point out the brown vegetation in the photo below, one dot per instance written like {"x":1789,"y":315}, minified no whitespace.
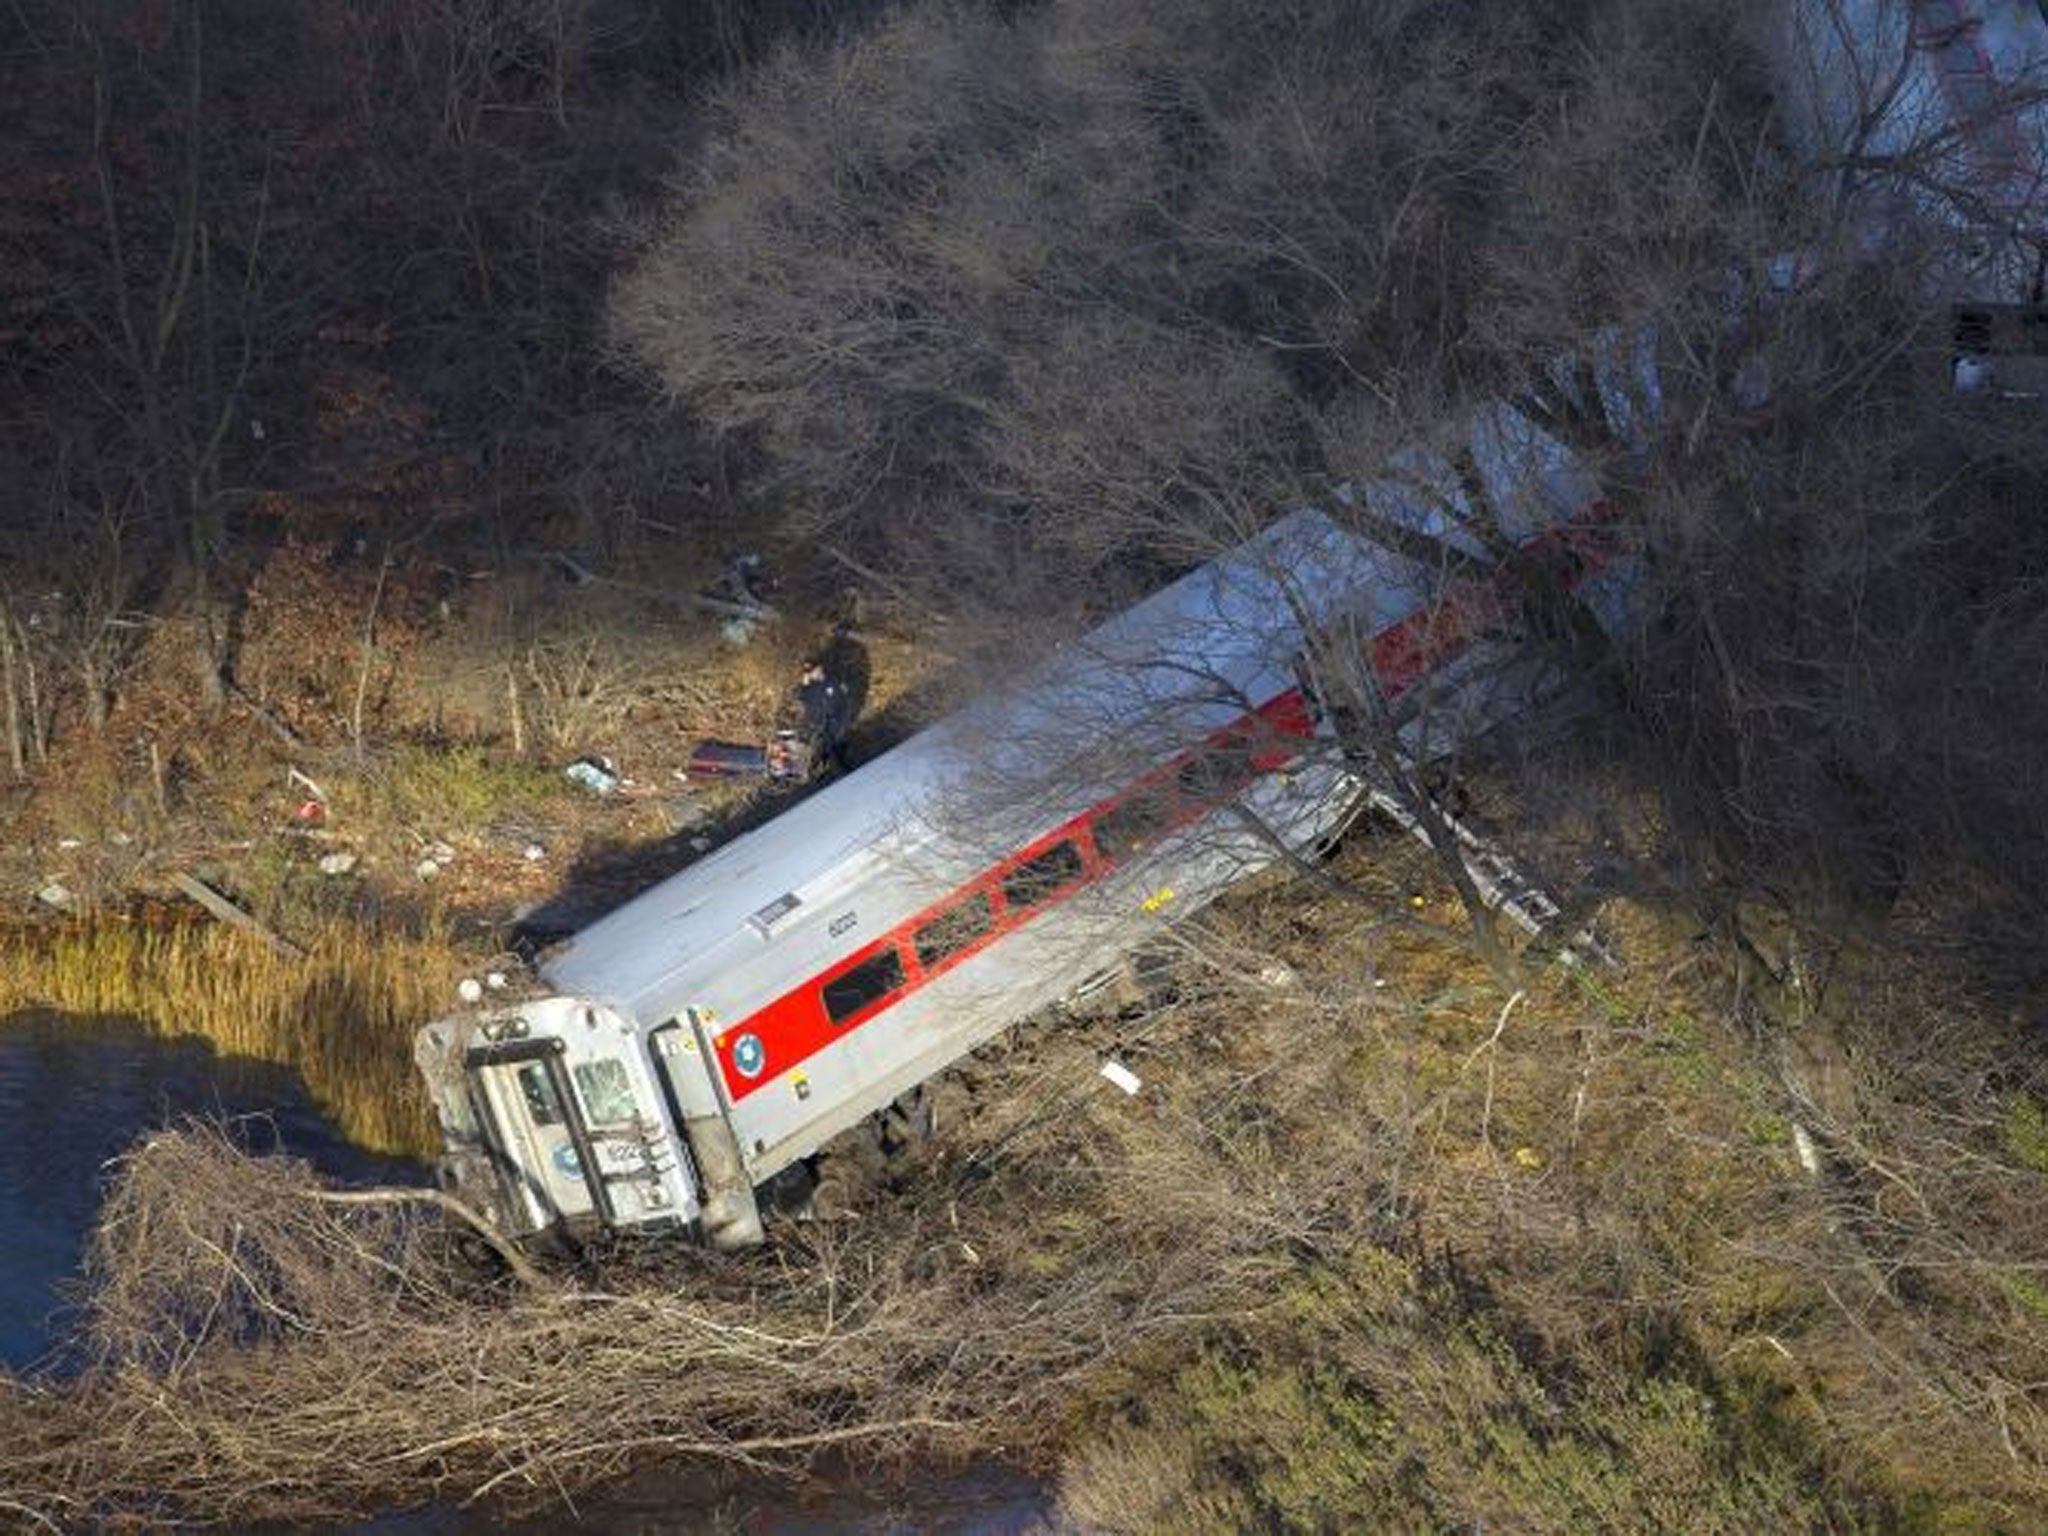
{"x":1371,"y":1249}
{"x":342,"y":1016}
{"x":1003,"y":313}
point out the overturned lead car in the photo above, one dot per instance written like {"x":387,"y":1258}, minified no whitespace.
{"x":727,"y":1023}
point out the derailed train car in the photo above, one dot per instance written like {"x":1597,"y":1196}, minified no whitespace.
{"x":692,"y":1045}
{"x":727,"y":1023}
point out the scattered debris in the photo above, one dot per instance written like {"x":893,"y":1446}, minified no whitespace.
{"x":57,"y":894}
{"x":440,"y":852}
{"x":470,"y":990}
{"x":788,"y":756}
{"x":741,"y":595}
{"x":1802,"y":1144}
{"x":726,"y":760}
{"x":743,"y":587}
{"x":1278,"y":975}
{"x":684,"y":813}
{"x":310,"y":812}
{"x":534,"y":853}
{"x":595,"y":774}
{"x":66,"y":844}
{"x":1122,"y":1076}
{"x":574,"y":571}
{"x":427,"y":869}
{"x":746,"y":579}
{"x":337,"y":863}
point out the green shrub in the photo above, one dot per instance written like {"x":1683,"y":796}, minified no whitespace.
{"x":459,"y":789}
{"x":2026,"y":1132}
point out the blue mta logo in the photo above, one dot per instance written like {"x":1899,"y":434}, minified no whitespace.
{"x":749,"y":1055}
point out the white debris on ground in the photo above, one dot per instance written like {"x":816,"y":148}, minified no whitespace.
{"x":1122,"y":1076}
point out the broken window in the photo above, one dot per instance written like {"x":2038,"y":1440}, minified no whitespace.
{"x":606,"y":1091}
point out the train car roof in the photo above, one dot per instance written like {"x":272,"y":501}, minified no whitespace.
{"x":1951,"y":88}
{"x":937,"y":809}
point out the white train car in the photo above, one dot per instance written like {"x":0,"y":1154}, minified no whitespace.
{"x":727,"y":1023}
{"x":1940,"y":107}
{"x":1931,"y":116}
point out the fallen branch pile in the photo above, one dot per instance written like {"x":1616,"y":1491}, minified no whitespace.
{"x":253,"y":1348}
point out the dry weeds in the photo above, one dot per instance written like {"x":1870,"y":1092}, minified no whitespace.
{"x":343,"y":1017}
{"x":1557,"y":1261}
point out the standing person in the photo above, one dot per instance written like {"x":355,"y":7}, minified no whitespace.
{"x":823,"y":703}
{"x":846,"y":663}
{"x":830,"y":694}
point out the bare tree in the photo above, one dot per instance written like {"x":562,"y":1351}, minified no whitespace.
{"x":180,"y":319}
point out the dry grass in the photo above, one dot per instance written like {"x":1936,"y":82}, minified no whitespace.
{"x":1368,"y":1251}
{"x":1063,"y":1246}
{"x":342,"y":1017}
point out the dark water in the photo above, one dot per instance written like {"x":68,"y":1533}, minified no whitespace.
{"x":77,"y":1092}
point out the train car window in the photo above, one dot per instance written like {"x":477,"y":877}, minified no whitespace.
{"x":954,"y":929}
{"x":606,"y":1091}
{"x":1041,"y":875}
{"x":1131,"y":823}
{"x":539,"y":1094}
{"x":849,"y":992}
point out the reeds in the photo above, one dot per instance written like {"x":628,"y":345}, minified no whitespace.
{"x":342,"y":1017}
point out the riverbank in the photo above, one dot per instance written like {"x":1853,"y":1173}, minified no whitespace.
{"x":75,"y":1094}
{"x":341,"y":1015}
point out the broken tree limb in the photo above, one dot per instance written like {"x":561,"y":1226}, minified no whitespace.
{"x":710,"y":602}
{"x":235,"y":916}
{"x":266,"y":715}
{"x":519,"y":1264}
